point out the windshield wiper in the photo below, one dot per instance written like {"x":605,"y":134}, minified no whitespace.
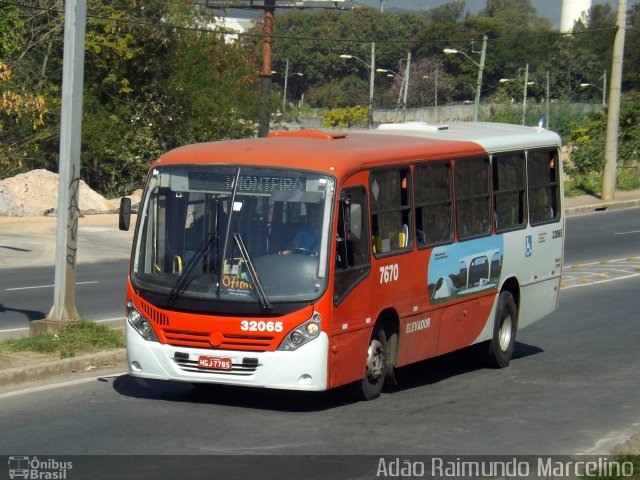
{"x":185,"y":277}
{"x":262,"y":296}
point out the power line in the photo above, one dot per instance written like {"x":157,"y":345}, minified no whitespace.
{"x":166,"y":26}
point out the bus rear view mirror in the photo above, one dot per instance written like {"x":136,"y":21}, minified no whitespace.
{"x":125,"y":214}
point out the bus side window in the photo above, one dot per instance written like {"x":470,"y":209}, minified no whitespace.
{"x":543,"y":185}
{"x":352,"y":241}
{"x":509,"y":191}
{"x":473,"y":201}
{"x":434,"y":207}
{"x":390,"y":210}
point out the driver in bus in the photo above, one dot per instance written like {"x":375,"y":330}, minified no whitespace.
{"x":307,"y":238}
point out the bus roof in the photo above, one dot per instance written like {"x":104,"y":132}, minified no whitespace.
{"x":342,"y":153}
{"x":493,"y":137}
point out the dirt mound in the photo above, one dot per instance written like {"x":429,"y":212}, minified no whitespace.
{"x":35,"y":193}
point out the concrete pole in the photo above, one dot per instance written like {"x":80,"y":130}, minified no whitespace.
{"x":604,"y":90}
{"x":613,"y":115}
{"x":64,"y":310}
{"x":435,"y":95}
{"x":476,"y":105}
{"x":548,"y":94}
{"x":286,"y":79}
{"x":406,"y":87}
{"x":372,"y":76}
{"x":524,"y":95}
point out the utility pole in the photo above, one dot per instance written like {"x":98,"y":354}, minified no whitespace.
{"x":406,"y":87}
{"x":548,"y":94}
{"x":435,"y":95}
{"x":269,"y":17}
{"x":524,"y":95}
{"x":372,"y":78}
{"x":483,"y":54}
{"x":64,"y":310}
{"x":286,"y":80}
{"x":604,"y":89}
{"x":613,"y":115}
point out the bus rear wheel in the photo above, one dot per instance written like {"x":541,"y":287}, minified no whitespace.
{"x":498,"y":351}
{"x":371,"y":385}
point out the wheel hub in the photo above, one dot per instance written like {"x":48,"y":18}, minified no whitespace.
{"x":375,"y":360}
{"x":504,"y":336}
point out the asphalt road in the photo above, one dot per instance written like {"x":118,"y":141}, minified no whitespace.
{"x":602,"y":236}
{"x":571,"y":384}
{"x":571,"y":388}
{"x":26,"y":294}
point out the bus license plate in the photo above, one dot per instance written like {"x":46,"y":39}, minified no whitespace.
{"x":215,"y":363}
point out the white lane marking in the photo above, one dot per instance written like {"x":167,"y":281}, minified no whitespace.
{"x":596,"y":282}
{"x":601,"y":262}
{"x":70,"y":383}
{"x":46,"y":286}
{"x":627,"y":233}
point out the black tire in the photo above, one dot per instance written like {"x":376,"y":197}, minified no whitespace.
{"x":370,"y":386}
{"x":498,"y":351}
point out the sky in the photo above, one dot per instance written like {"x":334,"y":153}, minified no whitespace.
{"x":545,"y":8}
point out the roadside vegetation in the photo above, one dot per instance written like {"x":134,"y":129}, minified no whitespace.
{"x":82,"y":337}
{"x":161,"y":74}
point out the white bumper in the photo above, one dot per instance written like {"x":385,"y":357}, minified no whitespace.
{"x":302,"y":369}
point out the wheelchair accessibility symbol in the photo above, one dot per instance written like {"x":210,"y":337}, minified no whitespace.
{"x":528,"y":249}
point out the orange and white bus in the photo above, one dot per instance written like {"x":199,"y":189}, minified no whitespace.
{"x":310,"y":260}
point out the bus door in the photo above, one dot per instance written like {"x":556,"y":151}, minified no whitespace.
{"x":352,"y":317}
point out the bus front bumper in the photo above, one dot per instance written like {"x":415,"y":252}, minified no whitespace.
{"x":302,"y":369}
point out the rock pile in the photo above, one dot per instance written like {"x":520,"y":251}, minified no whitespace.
{"x":35,"y":193}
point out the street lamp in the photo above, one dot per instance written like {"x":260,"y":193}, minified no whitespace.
{"x":603,"y":89}
{"x":526,"y":84}
{"x":453,"y":51}
{"x":372,"y":69}
{"x":404,"y":87}
{"x":286,"y":80}
{"x":391,"y":73}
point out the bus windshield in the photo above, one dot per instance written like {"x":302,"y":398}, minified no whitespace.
{"x":225,"y":233}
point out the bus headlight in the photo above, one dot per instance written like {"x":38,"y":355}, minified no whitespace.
{"x":140,"y":324}
{"x":302,"y":334}
{"x":312,"y":329}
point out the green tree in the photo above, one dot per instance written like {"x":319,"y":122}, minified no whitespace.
{"x":513,"y":12}
{"x":155,"y":77}
{"x":314,"y":41}
{"x":10,"y":28}
{"x":451,"y":13}
{"x":422,"y":84}
{"x":587,"y":138}
{"x":21,"y":117}
{"x":156,"y":86}
{"x":631,"y":71}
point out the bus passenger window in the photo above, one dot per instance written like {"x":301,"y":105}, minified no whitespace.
{"x":390,"y":210}
{"x":473,"y":206}
{"x":509,"y":191}
{"x":434,"y":208}
{"x":543,"y":187}
{"x":352,"y":241}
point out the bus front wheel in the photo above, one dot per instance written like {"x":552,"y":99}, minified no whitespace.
{"x":501,"y":346}
{"x":371,"y":385}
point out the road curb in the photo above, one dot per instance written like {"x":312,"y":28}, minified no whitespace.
{"x":603,"y":206}
{"x":53,"y":368}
